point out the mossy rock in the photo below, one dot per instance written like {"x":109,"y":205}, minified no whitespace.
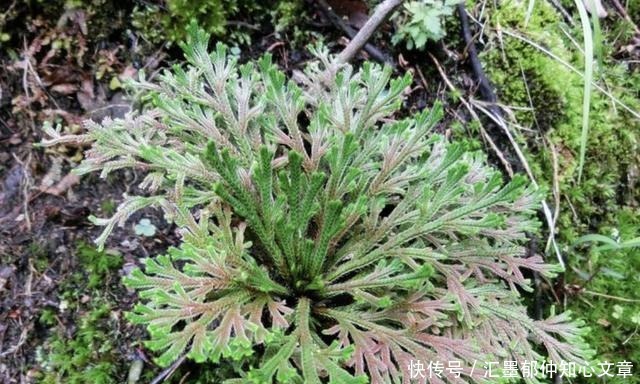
{"x":546,"y":97}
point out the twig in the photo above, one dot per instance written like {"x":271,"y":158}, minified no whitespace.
{"x":494,"y":113}
{"x":238,"y":23}
{"x":167,"y":372}
{"x":380,"y":14}
{"x":624,"y":299}
{"x":63,"y":185}
{"x":486,"y":90}
{"x":336,"y":20}
{"x":472,"y":112}
{"x":623,"y":12}
{"x":565,"y":14}
{"x":556,"y":185}
{"x":26,"y":185}
{"x":630,"y":336}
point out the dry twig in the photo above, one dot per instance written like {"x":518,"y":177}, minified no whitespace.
{"x":380,"y":14}
{"x":336,"y":20}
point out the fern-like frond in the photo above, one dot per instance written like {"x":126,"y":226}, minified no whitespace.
{"x":323,"y":240}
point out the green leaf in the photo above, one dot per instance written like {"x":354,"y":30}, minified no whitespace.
{"x":145,"y":228}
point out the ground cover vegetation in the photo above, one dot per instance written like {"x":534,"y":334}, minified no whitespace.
{"x":346,"y":226}
{"x":389,"y":254}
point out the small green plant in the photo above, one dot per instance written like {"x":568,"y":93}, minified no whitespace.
{"x":108,"y":206}
{"x":145,"y":228}
{"x":422,"y":21}
{"x":235,"y":20}
{"x":607,"y":243}
{"x":97,"y":263}
{"x":86,"y":357}
{"x":604,"y":280}
{"x":322,"y":240}
{"x":85,"y":353}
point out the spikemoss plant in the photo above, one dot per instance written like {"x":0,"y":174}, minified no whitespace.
{"x":323,"y":240}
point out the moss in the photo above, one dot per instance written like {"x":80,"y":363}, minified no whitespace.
{"x":108,"y":207}
{"x":616,"y":274}
{"x":546,"y":98}
{"x":38,"y":255}
{"x":84,"y":328}
{"x":89,"y":355}
{"x":524,"y":76}
{"x":527,"y":77}
{"x":88,"y":337}
{"x":164,"y":22}
{"x":97,"y":264}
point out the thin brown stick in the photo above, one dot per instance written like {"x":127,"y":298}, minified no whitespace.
{"x":491,"y":109}
{"x":484,"y":85}
{"x":623,"y":12}
{"x":167,"y":372}
{"x":380,"y":14}
{"x":336,"y":20}
{"x":624,"y":299}
{"x":63,"y":185}
{"x":473,"y":114}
